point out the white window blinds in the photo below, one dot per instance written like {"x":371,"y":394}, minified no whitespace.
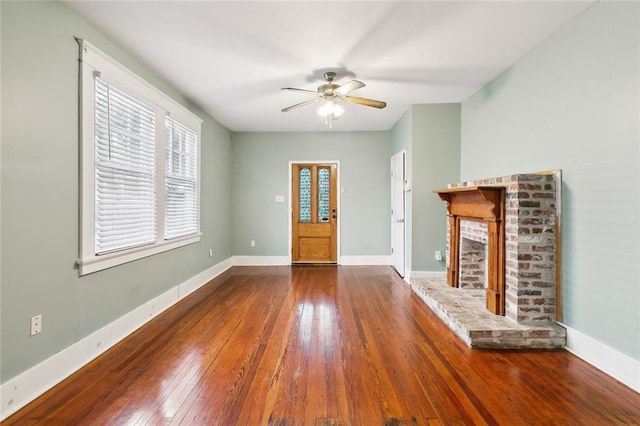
{"x":125,"y":210}
{"x":181,"y":180}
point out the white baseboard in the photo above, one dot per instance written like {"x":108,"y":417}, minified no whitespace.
{"x":285,"y":260}
{"x":614,"y":363}
{"x":194,"y":283}
{"x":365,"y":260}
{"x":428,"y":274}
{"x":24,"y":388}
{"x":260,"y":260}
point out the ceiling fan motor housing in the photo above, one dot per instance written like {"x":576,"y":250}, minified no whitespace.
{"x":327,"y":89}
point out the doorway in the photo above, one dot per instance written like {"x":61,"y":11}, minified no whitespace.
{"x":314,"y":212}
{"x":398,"y":225}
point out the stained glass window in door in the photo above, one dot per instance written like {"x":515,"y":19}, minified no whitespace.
{"x":305,"y":195}
{"x":323,"y":195}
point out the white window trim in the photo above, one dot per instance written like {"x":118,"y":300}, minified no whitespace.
{"x":94,"y":60}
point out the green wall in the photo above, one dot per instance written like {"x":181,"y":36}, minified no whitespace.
{"x":40,"y":194}
{"x":430,"y":134}
{"x":435,"y":163}
{"x":572,"y":104}
{"x":402,"y":133}
{"x":261,"y":171}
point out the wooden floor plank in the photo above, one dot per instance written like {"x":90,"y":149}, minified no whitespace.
{"x":322,"y":345}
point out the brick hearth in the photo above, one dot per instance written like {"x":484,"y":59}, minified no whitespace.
{"x":464,"y":312}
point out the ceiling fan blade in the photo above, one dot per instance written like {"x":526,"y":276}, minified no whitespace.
{"x":366,"y":102}
{"x":293,"y":89}
{"x":348,"y":87}
{"x":301,"y":104}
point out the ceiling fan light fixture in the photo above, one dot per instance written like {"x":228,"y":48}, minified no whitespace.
{"x":331,"y":109}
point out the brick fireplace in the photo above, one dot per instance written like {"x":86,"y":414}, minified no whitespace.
{"x":505,"y":243}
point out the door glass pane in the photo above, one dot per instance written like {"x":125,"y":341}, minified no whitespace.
{"x":305,"y":195}
{"x":323,"y":195}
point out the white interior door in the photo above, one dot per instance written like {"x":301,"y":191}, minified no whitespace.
{"x":397,"y":213}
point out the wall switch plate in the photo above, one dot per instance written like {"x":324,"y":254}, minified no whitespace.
{"x":279,"y":198}
{"x":210,"y":252}
{"x":36,"y":325}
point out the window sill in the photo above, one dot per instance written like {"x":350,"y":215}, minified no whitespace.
{"x":98,"y":263}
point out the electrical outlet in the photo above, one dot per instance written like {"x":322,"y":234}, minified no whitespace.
{"x":438,"y":255}
{"x":210,"y":252}
{"x":36,"y":324}
{"x":253,"y":243}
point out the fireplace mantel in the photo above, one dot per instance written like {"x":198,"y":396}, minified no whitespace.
{"x":480,"y":202}
{"x":485,"y":204}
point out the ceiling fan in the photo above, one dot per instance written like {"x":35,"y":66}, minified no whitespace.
{"x":331,"y":93}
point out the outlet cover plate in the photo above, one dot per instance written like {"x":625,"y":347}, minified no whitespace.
{"x":36,"y":325}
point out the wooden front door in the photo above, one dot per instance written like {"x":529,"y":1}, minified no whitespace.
{"x":314,"y":213}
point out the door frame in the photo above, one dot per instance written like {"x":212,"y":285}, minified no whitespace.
{"x":404,"y":190}
{"x":290,"y":209}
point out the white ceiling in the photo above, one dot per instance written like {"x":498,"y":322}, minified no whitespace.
{"x":232,"y":58}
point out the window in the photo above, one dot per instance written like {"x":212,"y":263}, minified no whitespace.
{"x":139,"y":167}
{"x":305,"y":194}
{"x":181,"y":183}
{"x":125,"y":212}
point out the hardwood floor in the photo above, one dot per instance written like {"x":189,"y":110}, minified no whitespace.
{"x":322,"y":345}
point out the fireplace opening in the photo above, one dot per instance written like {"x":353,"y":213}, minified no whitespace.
{"x":472,"y":264}
{"x":473,"y":255}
